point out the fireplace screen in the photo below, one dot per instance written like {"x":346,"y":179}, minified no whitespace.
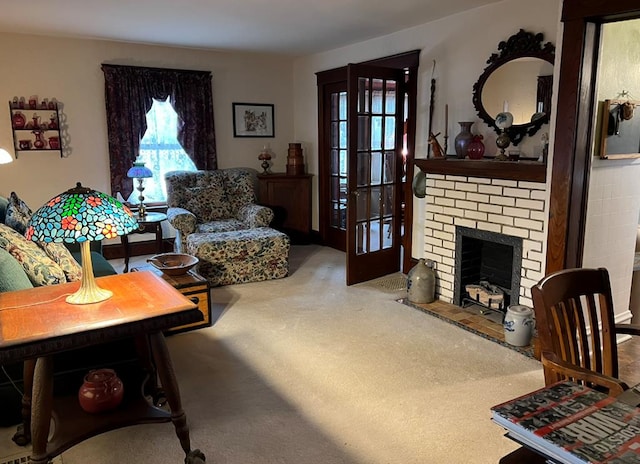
{"x":487,"y":269}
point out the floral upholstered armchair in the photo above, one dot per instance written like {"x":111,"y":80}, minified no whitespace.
{"x":206,"y":202}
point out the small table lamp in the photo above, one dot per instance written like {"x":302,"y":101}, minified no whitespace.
{"x":140,"y":171}
{"x":82,"y":215}
{"x":265,"y":156}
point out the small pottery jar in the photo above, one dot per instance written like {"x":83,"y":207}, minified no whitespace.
{"x":463,"y":139}
{"x":102,"y":390}
{"x":19,"y":120}
{"x":421,"y":282}
{"x":518,"y":325}
{"x":54,"y":143}
{"x":476,"y":148}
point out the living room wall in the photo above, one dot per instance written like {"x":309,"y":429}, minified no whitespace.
{"x":69,"y":70}
{"x":460,"y":45}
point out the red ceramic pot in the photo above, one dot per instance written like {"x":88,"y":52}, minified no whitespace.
{"x":102,"y":390}
{"x":475,"y":150}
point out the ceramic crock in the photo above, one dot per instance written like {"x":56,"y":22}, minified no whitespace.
{"x":102,"y":390}
{"x":421,"y":282}
{"x":518,"y":325}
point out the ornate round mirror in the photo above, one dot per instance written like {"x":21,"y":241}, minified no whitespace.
{"x":518,"y":79}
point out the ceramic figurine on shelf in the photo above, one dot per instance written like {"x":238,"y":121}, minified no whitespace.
{"x":53,"y":124}
{"x":436,"y":148}
{"x":40,"y":142}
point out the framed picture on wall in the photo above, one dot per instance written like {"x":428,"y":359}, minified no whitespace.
{"x":253,"y":120}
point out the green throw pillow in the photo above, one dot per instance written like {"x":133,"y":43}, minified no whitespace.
{"x":12,"y":275}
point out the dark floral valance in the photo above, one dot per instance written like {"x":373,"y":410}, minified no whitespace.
{"x":129,"y":95}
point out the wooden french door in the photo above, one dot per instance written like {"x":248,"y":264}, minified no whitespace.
{"x":375,"y":126}
{"x":335,"y":174}
{"x":363,"y":196}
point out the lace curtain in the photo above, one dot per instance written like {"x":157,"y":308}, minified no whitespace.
{"x":129,"y":94}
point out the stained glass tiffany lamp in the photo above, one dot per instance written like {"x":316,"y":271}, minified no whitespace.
{"x":140,"y":171}
{"x":82,"y":215}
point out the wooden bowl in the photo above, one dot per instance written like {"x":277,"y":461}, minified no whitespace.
{"x":173,"y":263}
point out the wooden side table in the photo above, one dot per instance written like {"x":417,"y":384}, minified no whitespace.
{"x":37,"y":323}
{"x":290,"y":199}
{"x":151,"y":223}
{"x":193,"y":286}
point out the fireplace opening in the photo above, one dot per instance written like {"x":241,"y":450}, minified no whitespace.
{"x":487,"y":270}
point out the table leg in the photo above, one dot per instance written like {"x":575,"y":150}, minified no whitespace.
{"x":42,"y":404}
{"x":22,"y":437}
{"x":125,"y":245}
{"x":170,"y":385}
{"x":159,"y":237}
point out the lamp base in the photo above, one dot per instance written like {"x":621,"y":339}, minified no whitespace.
{"x":89,"y":292}
{"x":89,"y":295}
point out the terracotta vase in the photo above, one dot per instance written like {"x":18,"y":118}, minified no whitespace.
{"x":463,"y":139}
{"x":476,"y":148}
{"x":102,"y":390}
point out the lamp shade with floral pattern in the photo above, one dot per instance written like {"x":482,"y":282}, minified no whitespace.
{"x":81,"y":215}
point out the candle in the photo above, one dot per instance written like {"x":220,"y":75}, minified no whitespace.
{"x":505,"y":106}
{"x":446,"y":120}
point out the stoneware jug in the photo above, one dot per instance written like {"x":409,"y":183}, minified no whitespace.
{"x":518,"y":325}
{"x":102,"y":390}
{"x":421,"y":282}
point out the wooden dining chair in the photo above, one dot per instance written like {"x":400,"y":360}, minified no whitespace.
{"x":569,"y":305}
{"x":576,"y":329}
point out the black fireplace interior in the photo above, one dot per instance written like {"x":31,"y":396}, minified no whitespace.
{"x":489,"y":257}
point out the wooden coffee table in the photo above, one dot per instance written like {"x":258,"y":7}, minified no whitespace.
{"x":193,"y":286}
{"x":37,"y":323}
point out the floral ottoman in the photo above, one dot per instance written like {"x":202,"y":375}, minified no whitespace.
{"x":240,"y":256}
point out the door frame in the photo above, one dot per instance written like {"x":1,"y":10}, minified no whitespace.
{"x":572,"y":149}
{"x":408,"y":61}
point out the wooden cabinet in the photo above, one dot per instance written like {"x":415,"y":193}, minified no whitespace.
{"x":290,"y":199}
{"x":35,"y":126}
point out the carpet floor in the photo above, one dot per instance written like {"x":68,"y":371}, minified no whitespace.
{"x":306,"y":370}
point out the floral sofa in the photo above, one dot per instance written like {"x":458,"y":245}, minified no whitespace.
{"x":217,"y":220}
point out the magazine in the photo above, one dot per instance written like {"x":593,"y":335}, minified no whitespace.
{"x":573,"y":424}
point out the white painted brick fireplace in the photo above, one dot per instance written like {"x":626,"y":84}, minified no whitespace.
{"x":515,"y":208}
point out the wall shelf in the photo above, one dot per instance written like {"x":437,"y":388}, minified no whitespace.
{"x":35,"y":126}
{"x":531,"y":171}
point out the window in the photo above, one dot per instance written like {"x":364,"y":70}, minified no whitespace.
{"x":133,"y":95}
{"x":161,"y":151}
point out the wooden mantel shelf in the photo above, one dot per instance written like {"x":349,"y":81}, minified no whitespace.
{"x":531,"y":171}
